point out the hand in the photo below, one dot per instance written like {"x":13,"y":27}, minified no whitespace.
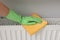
{"x":29,"y":20}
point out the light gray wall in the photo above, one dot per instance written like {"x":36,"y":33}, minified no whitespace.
{"x":45,"y":8}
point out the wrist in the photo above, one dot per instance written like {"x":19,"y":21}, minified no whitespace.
{"x":3,"y":10}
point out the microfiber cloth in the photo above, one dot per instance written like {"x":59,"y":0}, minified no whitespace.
{"x":32,"y":29}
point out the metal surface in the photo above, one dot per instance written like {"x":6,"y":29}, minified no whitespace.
{"x":13,"y":32}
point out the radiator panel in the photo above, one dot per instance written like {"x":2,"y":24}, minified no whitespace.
{"x":16,"y":32}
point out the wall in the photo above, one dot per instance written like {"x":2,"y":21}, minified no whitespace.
{"x":45,"y":8}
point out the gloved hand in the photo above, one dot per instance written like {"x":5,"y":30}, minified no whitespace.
{"x":29,"y":20}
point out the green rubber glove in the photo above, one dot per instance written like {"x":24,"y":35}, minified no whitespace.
{"x":13,"y":16}
{"x":28,"y":20}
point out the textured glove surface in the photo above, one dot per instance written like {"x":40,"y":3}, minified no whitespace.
{"x":13,"y":16}
{"x":29,"y":20}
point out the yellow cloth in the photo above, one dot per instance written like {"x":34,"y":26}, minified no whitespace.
{"x":31,"y":29}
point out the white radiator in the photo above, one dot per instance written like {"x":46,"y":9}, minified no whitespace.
{"x":16,"y":32}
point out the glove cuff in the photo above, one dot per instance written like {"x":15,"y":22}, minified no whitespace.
{"x":13,"y":16}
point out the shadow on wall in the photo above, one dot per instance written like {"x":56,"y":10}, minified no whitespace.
{"x":45,"y":8}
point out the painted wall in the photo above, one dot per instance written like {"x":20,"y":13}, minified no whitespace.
{"x":45,"y":8}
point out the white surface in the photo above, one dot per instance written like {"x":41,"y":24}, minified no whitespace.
{"x":16,"y":32}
